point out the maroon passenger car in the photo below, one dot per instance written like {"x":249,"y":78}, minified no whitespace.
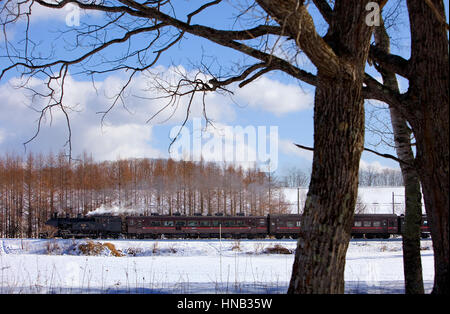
{"x":375,"y":225}
{"x":284,"y":226}
{"x":364,"y":225}
{"x":424,"y":228}
{"x":196,"y":226}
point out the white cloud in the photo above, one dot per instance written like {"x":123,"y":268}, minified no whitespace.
{"x":121,"y":141}
{"x":244,"y":146}
{"x":126,"y":131}
{"x":275,"y":97}
{"x":39,"y":12}
{"x":218,"y":106}
{"x":2,"y":135}
{"x":125,"y":136}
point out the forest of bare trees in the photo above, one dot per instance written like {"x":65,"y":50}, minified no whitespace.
{"x":385,"y":177}
{"x":34,"y":188}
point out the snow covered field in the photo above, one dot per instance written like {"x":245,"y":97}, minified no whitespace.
{"x":189,"y":266}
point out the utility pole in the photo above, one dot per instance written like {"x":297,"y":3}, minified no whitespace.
{"x":270,"y":185}
{"x":393,"y":203}
{"x":298,"y":200}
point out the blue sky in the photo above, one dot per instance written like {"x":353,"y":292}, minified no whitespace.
{"x":274,"y":100}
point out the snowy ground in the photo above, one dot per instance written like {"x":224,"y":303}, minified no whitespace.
{"x":189,"y":266}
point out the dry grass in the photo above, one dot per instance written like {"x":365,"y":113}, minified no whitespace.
{"x":97,"y":248}
{"x":51,"y":247}
{"x":133,"y":251}
{"x":113,"y":249}
{"x":155,"y":248}
{"x":258,"y":248}
{"x":236,"y":246}
{"x":277,"y":249}
{"x":172,"y":249}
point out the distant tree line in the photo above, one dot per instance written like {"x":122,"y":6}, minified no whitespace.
{"x":370,"y":176}
{"x":33,"y":188}
{"x":385,"y":177}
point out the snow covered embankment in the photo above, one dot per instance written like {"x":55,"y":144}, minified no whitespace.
{"x":190,"y":266}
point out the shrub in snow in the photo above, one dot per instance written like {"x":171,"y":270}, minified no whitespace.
{"x":52,"y":247}
{"x":236,"y":246}
{"x":277,"y":249}
{"x":97,"y":248}
{"x":133,"y":251}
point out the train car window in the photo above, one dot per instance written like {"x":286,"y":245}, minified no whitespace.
{"x":156,"y":223}
{"x":290,"y":224}
{"x":262,"y":221}
{"x":215,"y":223}
{"x":367,"y":224}
{"x":168,"y":223}
{"x":425,"y":222}
{"x":192,"y":223}
{"x":180,"y":223}
{"x":131,"y":222}
{"x":240,"y":222}
{"x":358,"y":224}
{"x":377,"y":223}
{"x":204,"y":223}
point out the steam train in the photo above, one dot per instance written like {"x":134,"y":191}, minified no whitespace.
{"x":198,"y":226}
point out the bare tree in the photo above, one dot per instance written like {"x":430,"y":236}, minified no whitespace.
{"x":341,"y":87}
{"x":360,"y":208}
{"x":295,"y":178}
{"x":413,"y":195}
{"x":425,"y":107}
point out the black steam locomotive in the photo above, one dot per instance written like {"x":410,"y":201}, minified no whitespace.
{"x":178,"y":226}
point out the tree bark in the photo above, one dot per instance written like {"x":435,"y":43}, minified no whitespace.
{"x":327,"y":218}
{"x":338,"y":143}
{"x":429,"y":119}
{"x":412,"y":263}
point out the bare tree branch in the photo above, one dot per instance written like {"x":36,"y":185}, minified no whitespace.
{"x":388,"y":156}
{"x":324,"y":9}
{"x":391,"y":62}
{"x":304,"y":35}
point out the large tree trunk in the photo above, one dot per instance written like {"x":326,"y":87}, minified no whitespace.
{"x":338,"y":143}
{"x":431,"y":145}
{"x":328,"y":215}
{"x":429,"y":119}
{"x":412,"y":263}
